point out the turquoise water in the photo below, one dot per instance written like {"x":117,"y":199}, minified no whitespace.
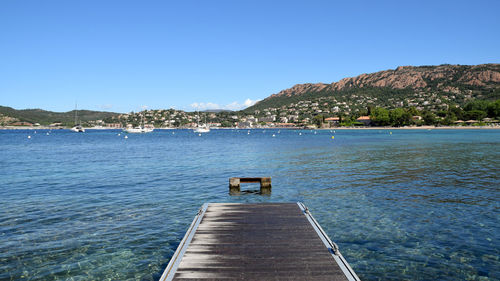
{"x":414,"y":205}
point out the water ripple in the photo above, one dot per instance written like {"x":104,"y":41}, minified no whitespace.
{"x":414,"y":205}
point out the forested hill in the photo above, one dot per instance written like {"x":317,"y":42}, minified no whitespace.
{"x":428,"y":87}
{"x":48,"y":117}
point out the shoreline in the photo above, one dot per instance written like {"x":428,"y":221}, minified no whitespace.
{"x":285,"y":128}
{"x":417,"y":128}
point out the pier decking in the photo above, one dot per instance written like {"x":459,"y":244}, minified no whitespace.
{"x":274,"y":241}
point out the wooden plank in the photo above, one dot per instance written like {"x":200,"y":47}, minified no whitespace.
{"x":274,"y":241}
{"x":250,"y":179}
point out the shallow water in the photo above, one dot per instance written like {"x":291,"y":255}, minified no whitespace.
{"x":411,"y":205}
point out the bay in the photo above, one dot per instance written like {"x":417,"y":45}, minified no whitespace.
{"x":401,"y":204}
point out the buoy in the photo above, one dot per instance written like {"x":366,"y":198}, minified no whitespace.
{"x":119,"y":134}
{"x":300,"y":134}
{"x":29,"y":137}
{"x":333,"y":137}
{"x":274,"y":135}
{"x":126,"y":137}
{"x":199,"y":135}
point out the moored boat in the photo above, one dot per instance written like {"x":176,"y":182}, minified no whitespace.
{"x":139,"y":129}
{"x":202,"y":128}
{"x":77,"y":128}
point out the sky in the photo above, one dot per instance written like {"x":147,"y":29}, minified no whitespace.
{"x":123,"y":55}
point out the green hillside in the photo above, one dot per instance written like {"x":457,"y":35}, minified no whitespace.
{"x":48,"y":117}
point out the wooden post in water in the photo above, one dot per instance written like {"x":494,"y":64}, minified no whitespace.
{"x":265,"y":185}
{"x":234,"y":184}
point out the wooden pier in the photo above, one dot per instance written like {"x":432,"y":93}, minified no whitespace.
{"x":273,"y":241}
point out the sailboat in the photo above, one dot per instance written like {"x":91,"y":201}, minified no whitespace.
{"x":139,"y":129}
{"x":77,"y":128}
{"x":202,"y":129}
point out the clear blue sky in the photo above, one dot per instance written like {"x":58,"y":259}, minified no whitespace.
{"x":121,"y":55}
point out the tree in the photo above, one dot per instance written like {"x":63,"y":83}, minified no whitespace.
{"x":413,"y":111}
{"x":429,"y":118}
{"x":448,"y":120}
{"x":476,"y":105}
{"x":318,"y":120}
{"x":442,"y":113}
{"x":493,"y":109}
{"x":475,"y":114}
{"x":399,"y":117}
{"x":456,"y":111}
{"x":226,"y":124}
{"x":380,"y":117}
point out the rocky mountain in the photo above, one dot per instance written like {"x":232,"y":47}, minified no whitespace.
{"x":449,"y":84}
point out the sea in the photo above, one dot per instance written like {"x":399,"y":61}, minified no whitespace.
{"x":105,"y":205}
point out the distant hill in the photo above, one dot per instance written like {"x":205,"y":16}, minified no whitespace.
{"x":48,"y":117}
{"x":450,"y":84}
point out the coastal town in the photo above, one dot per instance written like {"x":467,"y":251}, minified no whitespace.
{"x":302,"y":114}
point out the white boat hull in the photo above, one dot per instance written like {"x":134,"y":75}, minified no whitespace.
{"x":201,"y":130}
{"x":78,"y":129}
{"x":139,"y":130}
